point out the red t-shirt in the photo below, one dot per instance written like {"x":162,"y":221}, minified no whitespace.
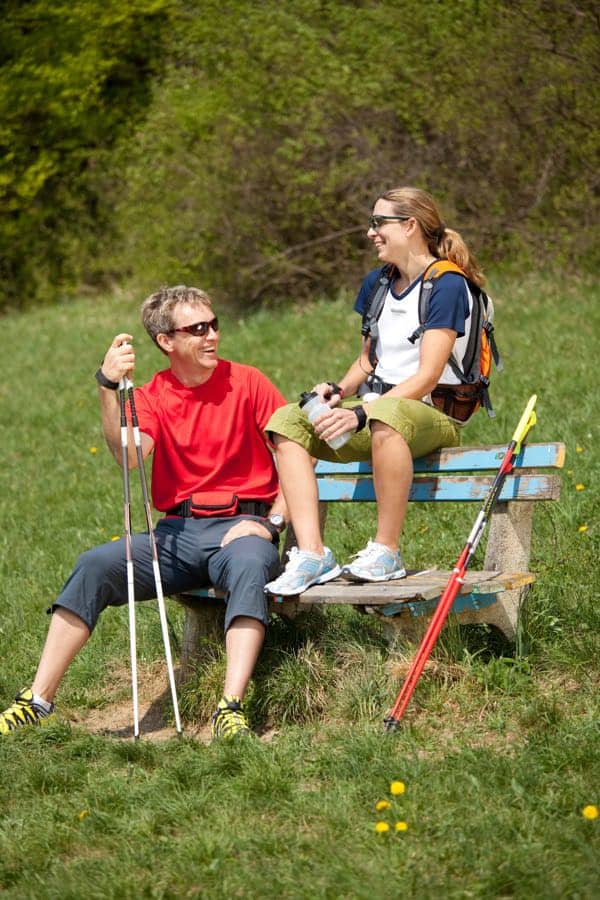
{"x":211,"y":437}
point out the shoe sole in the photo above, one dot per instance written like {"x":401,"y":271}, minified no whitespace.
{"x":350,"y":576}
{"x":50,"y":719}
{"x":322,"y":579}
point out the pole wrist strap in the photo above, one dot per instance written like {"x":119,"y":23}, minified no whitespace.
{"x":106,"y":382}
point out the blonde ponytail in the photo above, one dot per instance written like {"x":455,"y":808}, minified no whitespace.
{"x":445,"y":243}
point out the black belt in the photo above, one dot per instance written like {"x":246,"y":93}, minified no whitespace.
{"x":245,"y":508}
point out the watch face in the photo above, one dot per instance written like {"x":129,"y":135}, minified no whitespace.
{"x":278,"y":521}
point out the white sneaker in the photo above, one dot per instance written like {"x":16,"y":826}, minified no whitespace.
{"x":302,"y":570}
{"x":375,"y":563}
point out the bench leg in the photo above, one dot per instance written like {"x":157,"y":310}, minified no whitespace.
{"x":508,"y":549}
{"x":203,"y":626}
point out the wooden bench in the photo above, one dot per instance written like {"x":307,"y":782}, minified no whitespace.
{"x":457,"y":475}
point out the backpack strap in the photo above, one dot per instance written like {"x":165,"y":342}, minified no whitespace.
{"x":433,"y":271}
{"x":468,"y":372}
{"x":373,"y":308}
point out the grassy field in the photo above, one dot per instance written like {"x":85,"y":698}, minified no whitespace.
{"x":499,"y":750}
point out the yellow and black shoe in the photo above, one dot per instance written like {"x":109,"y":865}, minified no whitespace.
{"x":229,"y":719}
{"x":23,"y":712}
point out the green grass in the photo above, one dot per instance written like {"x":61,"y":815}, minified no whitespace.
{"x":499,"y":750}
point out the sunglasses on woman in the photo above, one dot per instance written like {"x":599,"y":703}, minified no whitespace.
{"x":376,"y":222}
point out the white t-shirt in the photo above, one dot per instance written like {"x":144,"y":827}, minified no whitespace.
{"x":450,"y":307}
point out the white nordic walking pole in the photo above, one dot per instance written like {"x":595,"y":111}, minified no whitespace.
{"x":123,"y":386}
{"x":152,"y":538}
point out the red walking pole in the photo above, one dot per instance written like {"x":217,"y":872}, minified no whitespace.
{"x":527,"y":421}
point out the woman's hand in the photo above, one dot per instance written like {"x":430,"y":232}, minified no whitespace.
{"x":324,"y":391}
{"x":335,"y":423}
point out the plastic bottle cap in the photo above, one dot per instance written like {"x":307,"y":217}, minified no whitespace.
{"x":306,"y":396}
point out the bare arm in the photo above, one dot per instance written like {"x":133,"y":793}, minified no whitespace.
{"x":119,"y":362}
{"x":436,"y":347}
{"x":351,"y":381}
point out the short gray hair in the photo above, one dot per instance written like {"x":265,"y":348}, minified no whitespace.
{"x":157,"y":309}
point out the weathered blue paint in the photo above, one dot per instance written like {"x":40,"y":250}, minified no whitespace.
{"x":467,"y":459}
{"x":426,"y":607}
{"x":451,"y":488}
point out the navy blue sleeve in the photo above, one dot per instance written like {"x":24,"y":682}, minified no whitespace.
{"x":449,"y":304}
{"x":367,"y":286}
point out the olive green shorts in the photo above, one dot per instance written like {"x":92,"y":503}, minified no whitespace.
{"x":423,"y":427}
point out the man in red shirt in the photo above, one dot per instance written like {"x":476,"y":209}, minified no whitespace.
{"x":213,"y":476}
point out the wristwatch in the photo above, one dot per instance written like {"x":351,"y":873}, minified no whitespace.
{"x":275,"y":524}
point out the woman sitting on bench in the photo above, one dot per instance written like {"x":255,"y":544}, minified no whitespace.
{"x":393,"y":419}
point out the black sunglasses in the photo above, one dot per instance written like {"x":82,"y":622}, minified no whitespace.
{"x":199,"y":329}
{"x":376,"y":222}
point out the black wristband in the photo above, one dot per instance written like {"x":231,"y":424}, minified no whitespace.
{"x":359,"y":412}
{"x":335,"y":389}
{"x":106,"y":382}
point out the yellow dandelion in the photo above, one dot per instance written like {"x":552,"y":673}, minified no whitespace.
{"x":382,"y":827}
{"x":82,"y":815}
{"x":382,"y":804}
{"x":93,"y":449}
{"x":590,"y":812}
{"x":580,"y":487}
{"x":582,"y":528}
{"x":578,"y":449}
{"x":401,"y":826}
{"x":397,"y":787}
{"x":115,"y":537}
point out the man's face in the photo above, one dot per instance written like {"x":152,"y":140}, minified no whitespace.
{"x":193,"y":346}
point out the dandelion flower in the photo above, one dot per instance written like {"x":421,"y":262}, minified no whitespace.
{"x":82,"y":815}
{"x":397,"y":787}
{"x":580,"y":487}
{"x":578,"y":449}
{"x":93,"y":449}
{"x":115,"y":537}
{"x":590,"y":812}
{"x":382,"y":804}
{"x":382,"y":827}
{"x":582,"y":528}
{"x":401,"y":826}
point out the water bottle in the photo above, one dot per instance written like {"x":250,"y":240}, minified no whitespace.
{"x":313,"y":407}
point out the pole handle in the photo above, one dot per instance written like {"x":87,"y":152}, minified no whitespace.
{"x":526,"y":423}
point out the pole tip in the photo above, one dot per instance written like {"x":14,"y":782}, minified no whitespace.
{"x":390,"y":725}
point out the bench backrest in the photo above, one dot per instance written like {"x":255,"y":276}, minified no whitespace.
{"x":455,"y":474}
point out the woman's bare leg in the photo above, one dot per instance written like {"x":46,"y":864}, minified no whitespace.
{"x":392,"y":478}
{"x":299,"y":485}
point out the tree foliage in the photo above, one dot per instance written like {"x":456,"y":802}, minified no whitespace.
{"x":243,"y":147}
{"x":73,"y":76}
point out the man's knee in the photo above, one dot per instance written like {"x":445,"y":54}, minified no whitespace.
{"x":252,"y":557}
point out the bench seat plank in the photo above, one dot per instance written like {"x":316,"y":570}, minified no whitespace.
{"x":427,"y":585}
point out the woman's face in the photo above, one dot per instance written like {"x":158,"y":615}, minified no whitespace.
{"x":388,"y":235}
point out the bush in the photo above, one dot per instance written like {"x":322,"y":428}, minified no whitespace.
{"x":248,"y":162}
